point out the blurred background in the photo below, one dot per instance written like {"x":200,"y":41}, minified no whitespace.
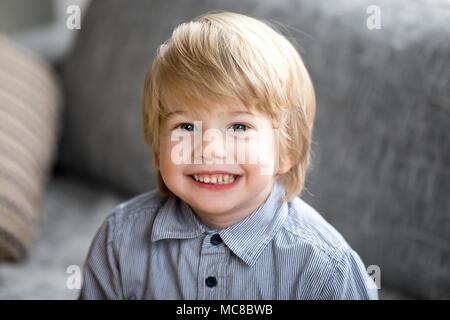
{"x":71,"y":144}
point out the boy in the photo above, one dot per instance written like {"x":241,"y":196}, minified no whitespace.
{"x":228,"y":111}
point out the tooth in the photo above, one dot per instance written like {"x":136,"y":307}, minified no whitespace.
{"x":221,"y":179}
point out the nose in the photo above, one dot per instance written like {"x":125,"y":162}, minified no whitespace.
{"x":213,"y":147}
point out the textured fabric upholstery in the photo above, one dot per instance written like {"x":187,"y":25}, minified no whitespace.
{"x":381,"y":151}
{"x":29,"y":126}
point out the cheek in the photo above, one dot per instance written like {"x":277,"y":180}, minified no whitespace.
{"x":167,"y":165}
{"x":259,"y":158}
{"x":267,"y":152}
{"x":173,"y":171}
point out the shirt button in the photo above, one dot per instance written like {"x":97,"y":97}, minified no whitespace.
{"x":215,"y":239}
{"x":211,"y":282}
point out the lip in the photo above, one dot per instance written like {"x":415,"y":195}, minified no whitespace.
{"x":215,"y":187}
{"x":214,"y":172}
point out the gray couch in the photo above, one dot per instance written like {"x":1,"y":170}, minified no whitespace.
{"x":380,"y":168}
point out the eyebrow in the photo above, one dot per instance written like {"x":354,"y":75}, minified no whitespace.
{"x":172,"y":113}
{"x":241,"y":112}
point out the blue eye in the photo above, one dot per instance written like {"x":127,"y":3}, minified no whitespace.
{"x":185,"y":126}
{"x":239,"y":127}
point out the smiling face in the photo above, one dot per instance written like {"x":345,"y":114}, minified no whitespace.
{"x":220,"y":177}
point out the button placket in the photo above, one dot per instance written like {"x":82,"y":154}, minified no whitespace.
{"x":210,"y":276}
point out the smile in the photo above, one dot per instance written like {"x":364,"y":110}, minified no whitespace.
{"x":215,"y":179}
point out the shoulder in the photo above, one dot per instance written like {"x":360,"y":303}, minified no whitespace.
{"x":307,"y":227}
{"x":327,"y":252}
{"x":140,"y":210}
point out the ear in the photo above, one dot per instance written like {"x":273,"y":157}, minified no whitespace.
{"x":156,"y":158}
{"x":286,"y":164}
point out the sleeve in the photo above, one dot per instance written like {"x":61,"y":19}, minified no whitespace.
{"x":350,"y":281}
{"x":101,"y":273}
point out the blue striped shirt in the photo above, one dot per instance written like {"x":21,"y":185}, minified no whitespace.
{"x":152,"y":247}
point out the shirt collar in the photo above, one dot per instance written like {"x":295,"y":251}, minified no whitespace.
{"x":246,"y":239}
{"x":176,"y":220}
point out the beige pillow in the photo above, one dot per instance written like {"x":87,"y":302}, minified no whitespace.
{"x":29,"y":129}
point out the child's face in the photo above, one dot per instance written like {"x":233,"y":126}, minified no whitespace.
{"x":215,"y":153}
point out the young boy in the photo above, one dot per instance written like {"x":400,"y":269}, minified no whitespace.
{"x":228,"y":112}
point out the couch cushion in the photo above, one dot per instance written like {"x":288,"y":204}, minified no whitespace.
{"x":380,"y":160}
{"x":29,"y":125}
{"x":75,"y":208}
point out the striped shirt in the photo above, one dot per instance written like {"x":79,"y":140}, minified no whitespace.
{"x":152,"y":247}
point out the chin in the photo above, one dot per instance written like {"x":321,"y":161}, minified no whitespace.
{"x":210,"y":207}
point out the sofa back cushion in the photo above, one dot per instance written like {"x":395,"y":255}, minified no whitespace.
{"x":381,"y":151}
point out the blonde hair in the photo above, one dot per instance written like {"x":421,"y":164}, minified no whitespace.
{"x":227,"y":55}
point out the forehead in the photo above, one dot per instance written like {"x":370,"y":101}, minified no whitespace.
{"x":230,"y":107}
